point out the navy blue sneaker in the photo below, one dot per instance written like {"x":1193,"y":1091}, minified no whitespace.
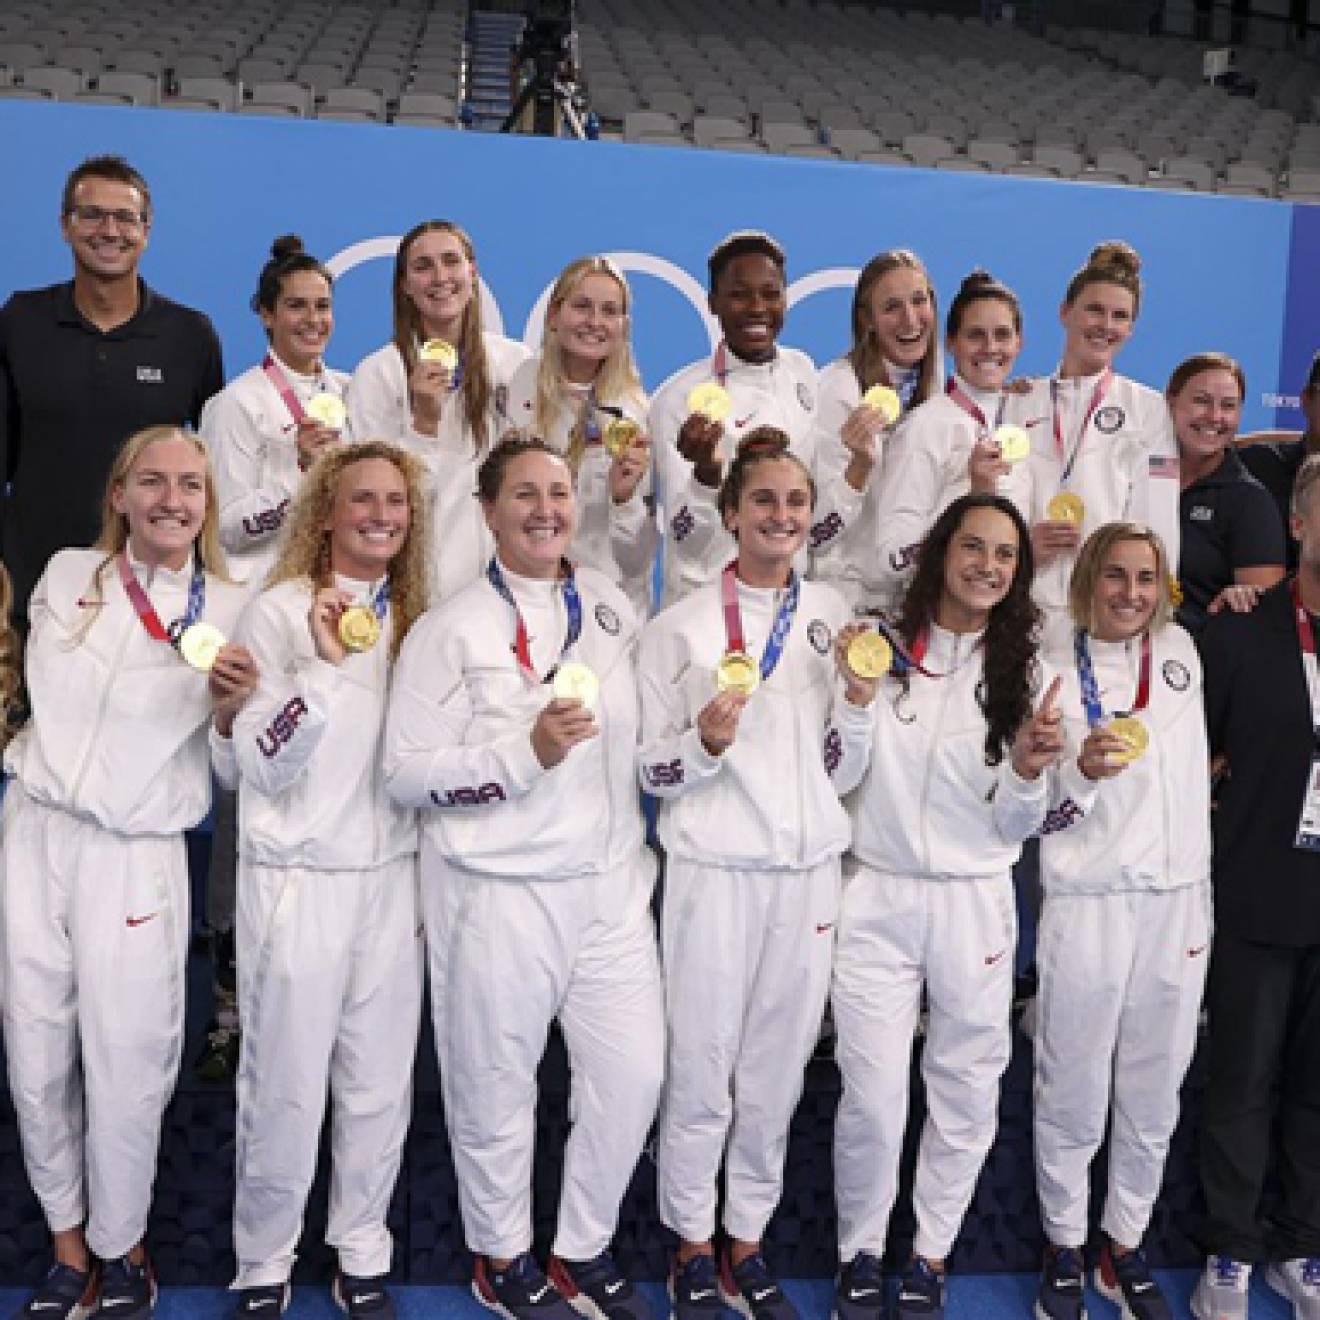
{"x":920,"y":1292}
{"x":520,"y":1291}
{"x":264,"y":1302}
{"x":694,"y":1290}
{"x":362,"y":1298}
{"x":64,"y":1294}
{"x":751,"y":1290}
{"x":1059,"y":1296}
{"x":1127,"y":1281}
{"x":128,"y":1291}
{"x":597,"y":1288}
{"x":860,"y":1291}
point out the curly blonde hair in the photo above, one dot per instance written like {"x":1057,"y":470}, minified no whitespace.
{"x":11,"y":667}
{"x":114,"y":525}
{"x":305,"y":549}
{"x":617,"y":380}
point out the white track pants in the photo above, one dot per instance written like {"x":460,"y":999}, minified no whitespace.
{"x":1121,"y":977}
{"x":507,"y":957}
{"x":897,"y":933}
{"x":747,"y":959}
{"x":330,"y":992}
{"x":93,"y":933}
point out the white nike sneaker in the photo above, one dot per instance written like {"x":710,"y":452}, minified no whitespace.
{"x":1299,"y":1281}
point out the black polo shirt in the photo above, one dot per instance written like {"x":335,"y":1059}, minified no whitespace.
{"x":70,"y":394}
{"x":1275,"y":464}
{"x":1228,"y":521}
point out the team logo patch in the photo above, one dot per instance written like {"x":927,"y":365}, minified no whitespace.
{"x":607,"y":619}
{"x":818,"y":634}
{"x":1176,"y":675}
{"x":1109,"y":419}
{"x":804,"y":397}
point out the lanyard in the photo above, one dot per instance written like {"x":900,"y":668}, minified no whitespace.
{"x":1091,"y":692}
{"x":908,"y":658}
{"x":521,"y":646}
{"x":972,"y":409}
{"x":380,"y":602}
{"x":280,"y":381}
{"x":733,"y":629}
{"x":1306,"y":637}
{"x":590,"y":418}
{"x":146,"y":611}
{"x":1101,"y":386}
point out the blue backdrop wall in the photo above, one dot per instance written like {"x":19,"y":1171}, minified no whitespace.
{"x":1238,"y":274}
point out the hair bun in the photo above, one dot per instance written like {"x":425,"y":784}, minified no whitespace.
{"x":977,"y":279}
{"x":286,"y":246}
{"x":1115,"y":253}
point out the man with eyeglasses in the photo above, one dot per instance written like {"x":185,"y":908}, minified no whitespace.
{"x":85,"y":364}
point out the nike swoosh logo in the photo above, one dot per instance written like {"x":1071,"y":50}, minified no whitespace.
{"x":911,"y":1297}
{"x":992,"y":958}
{"x":108,"y":1302}
{"x":47,"y":1306}
{"x":1067,"y":1285}
{"x":264,"y":1301}
{"x":701,"y":1295}
{"x":742,"y":421}
{"x":763,"y":1294}
{"x":1194,"y":953}
{"x":857,"y":1294}
{"x":540,"y":1292}
{"x":612,"y":1288}
{"x":361,"y":1299}
{"x":1142,"y":1287}
{"x":821,"y":928}
{"x":139,"y":921}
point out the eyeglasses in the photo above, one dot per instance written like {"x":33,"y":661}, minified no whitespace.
{"x":95,"y":216}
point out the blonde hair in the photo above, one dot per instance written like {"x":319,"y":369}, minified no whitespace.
{"x":477,"y":389}
{"x":866,"y":356}
{"x":305,"y":550}
{"x":1111,"y":262}
{"x":1090,"y":564}
{"x":114,"y":525}
{"x":11,"y":669}
{"x":617,"y":379}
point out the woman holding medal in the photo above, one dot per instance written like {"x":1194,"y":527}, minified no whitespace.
{"x":891,"y":369}
{"x":440,"y":388}
{"x":513,"y":726}
{"x":943,"y":757}
{"x":964,"y":438}
{"x":267,"y":426}
{"x":737,"y":684}
{"x":1103,"y":446}
{"x":1125,"y":927}
{"x":110,"y":770}
{"x":703,"y":412}
{"x":582,"y":395}
{"x":330,"y":966}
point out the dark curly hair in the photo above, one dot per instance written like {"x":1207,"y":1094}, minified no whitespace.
{"x":1011,"y":636}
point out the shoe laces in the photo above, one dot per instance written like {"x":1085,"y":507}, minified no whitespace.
{"x":699,"y":1271}
{"x":1066,"y":1262}
{"x":1311,"y":1271}
{"x":865,"y":1269}
{"x":1227,"y":1271}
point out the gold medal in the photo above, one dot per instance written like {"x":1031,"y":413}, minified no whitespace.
{"x":1132,"y":732}
{"x":576,"y":681}
{"x":359,"y":628}
{"x":200,"y":644}
{"x":737,"y":672}
{"x":619,"y":434}
{"x":1014,"y":444}
{"x":881,"y":399}
{"x":710,"y":400}
{"x":328,"y":409}
{"x":1067,"y":507}
{"x":869,"y":655}
{"x":441,"y":351}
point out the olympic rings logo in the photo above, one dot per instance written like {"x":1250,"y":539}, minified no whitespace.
{"x":640,"y":263}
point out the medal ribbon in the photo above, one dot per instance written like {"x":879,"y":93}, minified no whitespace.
{"x":972,"y":408}
{"x":1101,"y":386}
{"x":908,"y":658}
{"x":1090,"y":690}
{"x":733,"y":630}
{"x":280,"y":381}
{"x":146,"y":611}
{"x":521,"y":646}
{"x":1306,"y":638}
{"x":590,"y":418}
